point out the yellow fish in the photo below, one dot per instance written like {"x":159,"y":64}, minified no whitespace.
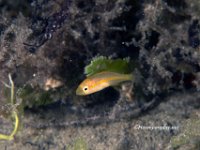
{"x":101,"y":81}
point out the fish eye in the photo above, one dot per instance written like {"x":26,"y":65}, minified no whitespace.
{"x":85,"y":88}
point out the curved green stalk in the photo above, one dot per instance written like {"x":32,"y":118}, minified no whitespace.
{"x":11,"y":136}
{"x":14,"y":114}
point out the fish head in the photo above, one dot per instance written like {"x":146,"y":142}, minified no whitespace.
{"x":89,"y":86}
{"x":85,"y":88}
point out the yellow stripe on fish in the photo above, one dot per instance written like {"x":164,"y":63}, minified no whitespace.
{"x":101,"y":81}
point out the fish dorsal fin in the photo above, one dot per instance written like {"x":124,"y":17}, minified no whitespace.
{"x":102,"y":63}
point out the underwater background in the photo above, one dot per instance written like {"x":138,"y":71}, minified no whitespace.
{"x":47,"y":48}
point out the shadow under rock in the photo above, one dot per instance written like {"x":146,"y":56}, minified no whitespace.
{"x":104,"y":109}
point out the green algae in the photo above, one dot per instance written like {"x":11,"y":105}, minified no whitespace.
{"x":102,"y":63}
{"x":34,"y":96}
{"x":79,"y":144}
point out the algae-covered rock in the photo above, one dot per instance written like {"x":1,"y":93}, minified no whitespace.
{"x":34,"y":96}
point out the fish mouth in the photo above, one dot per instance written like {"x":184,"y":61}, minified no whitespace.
{"x":79,"y":91}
